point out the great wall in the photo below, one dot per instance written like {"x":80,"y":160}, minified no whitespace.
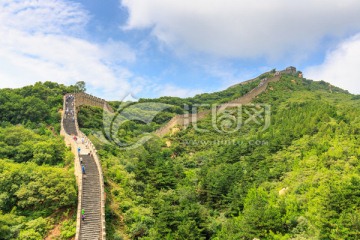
{"x":91,"y":194}
{"x":185,"y":120}
{"x":90,"y":100}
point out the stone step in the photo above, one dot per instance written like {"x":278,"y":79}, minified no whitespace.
{"x":91,"y":228}
{"x":91,"y":200}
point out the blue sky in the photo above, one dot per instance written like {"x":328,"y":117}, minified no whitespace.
{"x":175,"y":48}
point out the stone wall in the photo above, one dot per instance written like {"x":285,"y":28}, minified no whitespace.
{"x":244,"y":82}
{"x":247,"y":98}
{"x":185,"y":120}
{"x":87,"y":99}
{"x":289,"y":70}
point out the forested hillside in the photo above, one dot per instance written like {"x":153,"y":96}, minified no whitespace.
{"x":297,"y":179}
{"x":37,"y":183}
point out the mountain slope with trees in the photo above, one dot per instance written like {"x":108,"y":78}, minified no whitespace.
{"x":298,"y":179}
{"x":37,"y":183}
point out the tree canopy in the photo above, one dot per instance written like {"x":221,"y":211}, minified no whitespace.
{"x":37,"y":184}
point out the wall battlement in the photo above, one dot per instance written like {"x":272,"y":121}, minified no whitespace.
{"x":186,"y":119}
{"x":87,"y":99}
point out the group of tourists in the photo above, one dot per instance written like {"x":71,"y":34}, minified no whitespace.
{"x":69,"y":111}
{"x":70,"y":114}
{"x":83,"y":141}
{"x":263,"y":81}
{"x":83,"y":171}
{"x":70,"y":97}
{"x":81,"y":160}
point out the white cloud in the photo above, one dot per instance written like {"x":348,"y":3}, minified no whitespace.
{"x":244,"y":28}
{"x":53,"y":16}
{"x":175,"y":91}
{"x":154,"y":88}
{"x":341,"y":66}
{"x":115,"y":51}
{"x":41,"y":41}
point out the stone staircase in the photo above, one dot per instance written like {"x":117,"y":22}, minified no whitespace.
{"x":70,"y":127}
{"x":90,"y":228}
{"x":68,"y":121}
{"x":90,"y":184}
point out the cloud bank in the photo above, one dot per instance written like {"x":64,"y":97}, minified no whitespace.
{"x":46,"y":41}
{"x":244,"y":29}
{"x":341,"y":66}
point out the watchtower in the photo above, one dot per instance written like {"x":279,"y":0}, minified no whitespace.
{"x":290,"y":70}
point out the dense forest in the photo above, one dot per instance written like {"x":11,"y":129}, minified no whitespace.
{"x":37,"y":183}
{"x":298,"y":178}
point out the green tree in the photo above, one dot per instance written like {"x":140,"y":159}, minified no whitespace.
{"x":80,"y":86}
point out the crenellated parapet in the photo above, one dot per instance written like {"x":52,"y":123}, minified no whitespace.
{"x":185,"y":120}
{"x":90,"y":100}
{"x":248,"y":97}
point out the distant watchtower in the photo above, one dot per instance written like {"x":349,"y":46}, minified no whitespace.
{"x":289,"y":70}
